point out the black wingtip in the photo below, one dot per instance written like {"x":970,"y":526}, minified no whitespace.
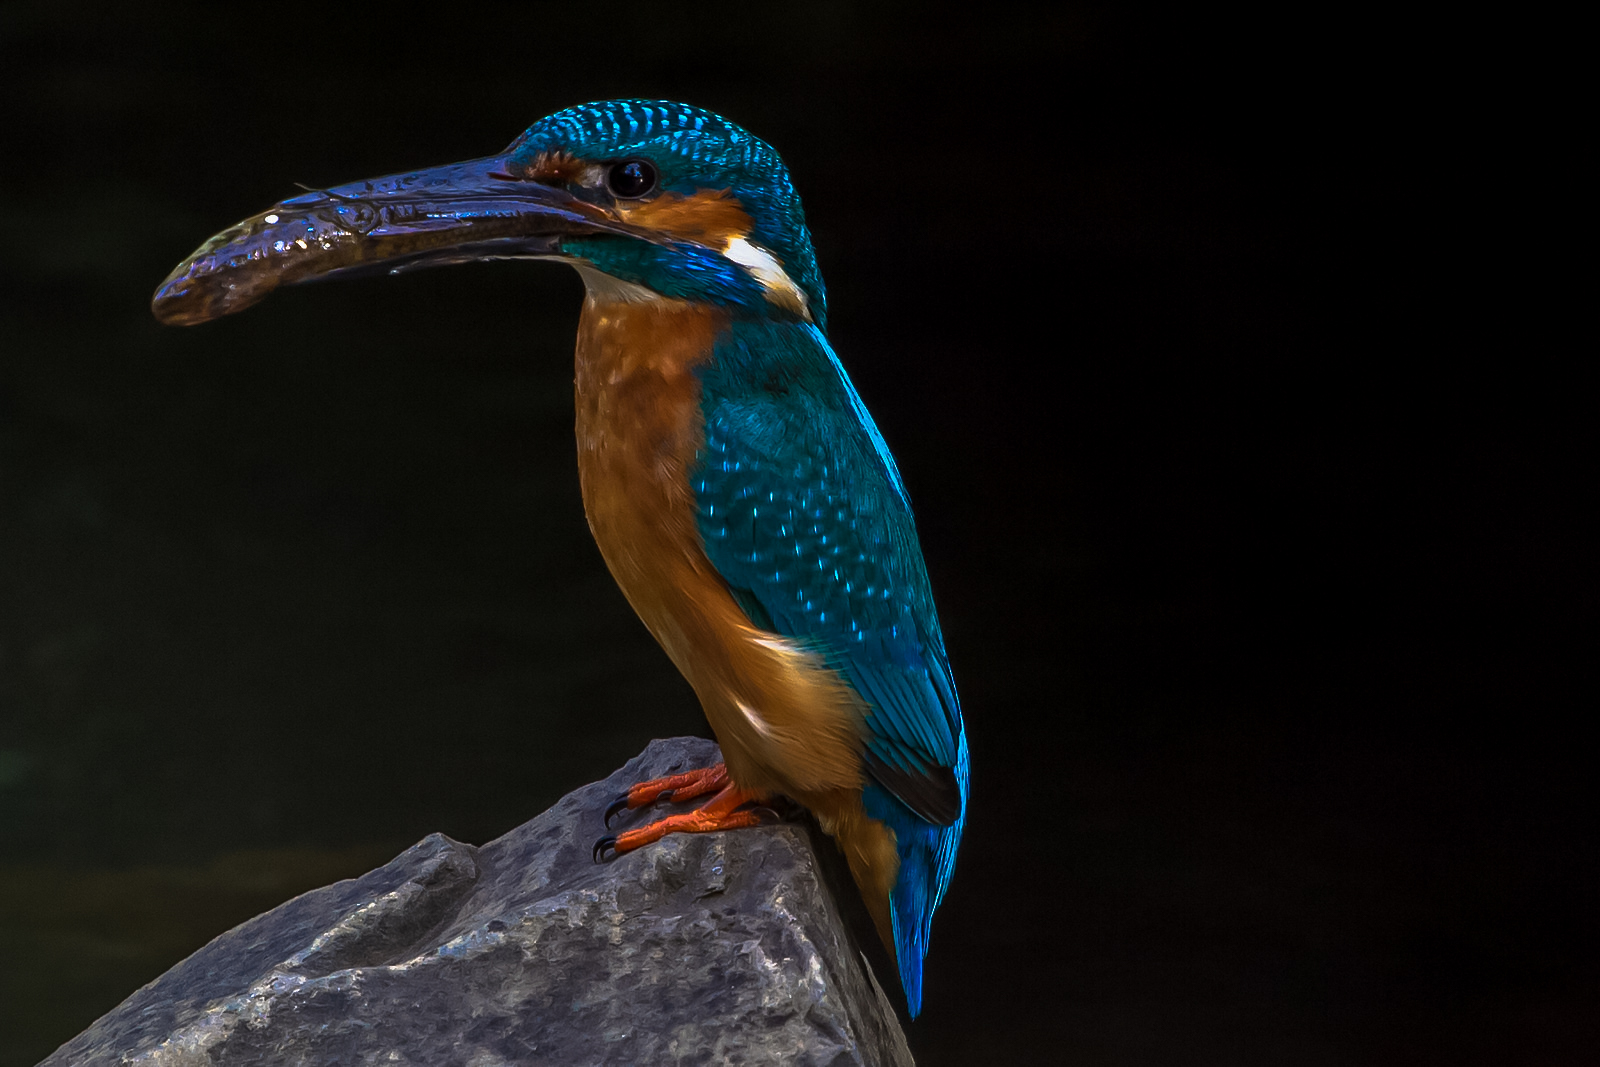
{"x":931,"y":793}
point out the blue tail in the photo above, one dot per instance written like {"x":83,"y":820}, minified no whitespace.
{"x":927,"y":860}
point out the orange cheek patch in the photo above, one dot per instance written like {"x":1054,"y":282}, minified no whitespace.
{"x":709,"y":217}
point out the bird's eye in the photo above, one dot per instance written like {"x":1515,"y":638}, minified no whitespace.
{"x":631,"y":179}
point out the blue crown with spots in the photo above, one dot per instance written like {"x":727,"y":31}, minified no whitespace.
{"x":693,"y":149}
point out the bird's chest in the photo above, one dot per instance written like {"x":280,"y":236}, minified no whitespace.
{"x":638,"y":398}
{"x":639,"y":428}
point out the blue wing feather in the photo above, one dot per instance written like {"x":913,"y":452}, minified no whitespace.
{"x":803,"y":513}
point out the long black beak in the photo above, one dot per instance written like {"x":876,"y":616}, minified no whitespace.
{"x":451,"y":214}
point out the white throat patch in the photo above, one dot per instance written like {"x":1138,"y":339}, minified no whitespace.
{"x":604,"y":289}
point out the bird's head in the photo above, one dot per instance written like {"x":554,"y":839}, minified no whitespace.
{"x":644,"y":197}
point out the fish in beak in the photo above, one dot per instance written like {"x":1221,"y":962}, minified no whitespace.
{"x":452,"y":214}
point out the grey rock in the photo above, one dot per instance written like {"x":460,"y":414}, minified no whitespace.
{"x":701,"y":949}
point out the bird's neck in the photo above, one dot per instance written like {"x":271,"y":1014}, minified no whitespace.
{"x":636,"y":359}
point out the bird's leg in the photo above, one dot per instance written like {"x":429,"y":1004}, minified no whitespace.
{"x":674,"y":789}
{"x":718,"y":813}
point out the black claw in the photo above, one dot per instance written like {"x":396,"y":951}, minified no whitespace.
{"x":604,"y":845}
{"x":617,"y":805}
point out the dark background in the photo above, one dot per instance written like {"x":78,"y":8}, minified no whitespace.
{"x":1257,"y":553}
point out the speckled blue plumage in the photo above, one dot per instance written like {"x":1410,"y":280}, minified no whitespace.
{"x":803,"y":513}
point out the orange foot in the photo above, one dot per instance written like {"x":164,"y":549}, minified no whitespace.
{"x":718,"y":813}
{"x":677,"y":788}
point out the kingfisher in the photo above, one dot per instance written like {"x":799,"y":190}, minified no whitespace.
{"x":734,"y":481}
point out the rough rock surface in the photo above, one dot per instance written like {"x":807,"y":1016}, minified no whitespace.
{"x":701,"y":949}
